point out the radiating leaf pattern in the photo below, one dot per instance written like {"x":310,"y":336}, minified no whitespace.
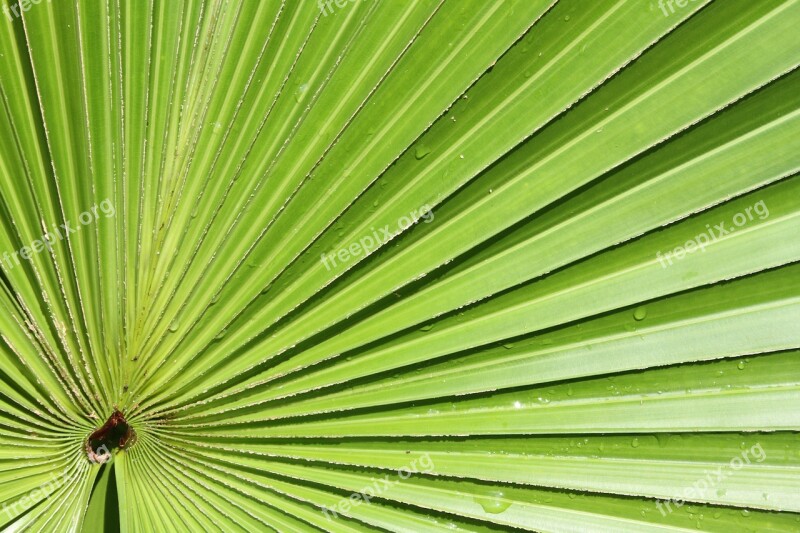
{"x":428,"y":265}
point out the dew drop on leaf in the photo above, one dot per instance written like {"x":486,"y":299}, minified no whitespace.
{"x":421,"y":151}
{"x":493,"y":502}
{"x":300,"y":92}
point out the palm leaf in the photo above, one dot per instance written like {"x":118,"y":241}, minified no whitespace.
{"x":406,"y":266}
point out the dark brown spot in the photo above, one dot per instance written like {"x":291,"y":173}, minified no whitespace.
{"x":115,"y":433}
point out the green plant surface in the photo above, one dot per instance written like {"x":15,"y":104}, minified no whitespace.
{"x":372,"y":265}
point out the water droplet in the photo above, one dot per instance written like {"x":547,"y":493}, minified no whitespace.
{"x":427,"y":327}
{"x":300,"y":92}
{"x":566,"y":18}
{"x":493,"y":502}
{"x":640,"y":313}
{"x":635,"y":442}
{"x":421,"y":151}
{"x":740,"y":366}
{"x":174,"y":327}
